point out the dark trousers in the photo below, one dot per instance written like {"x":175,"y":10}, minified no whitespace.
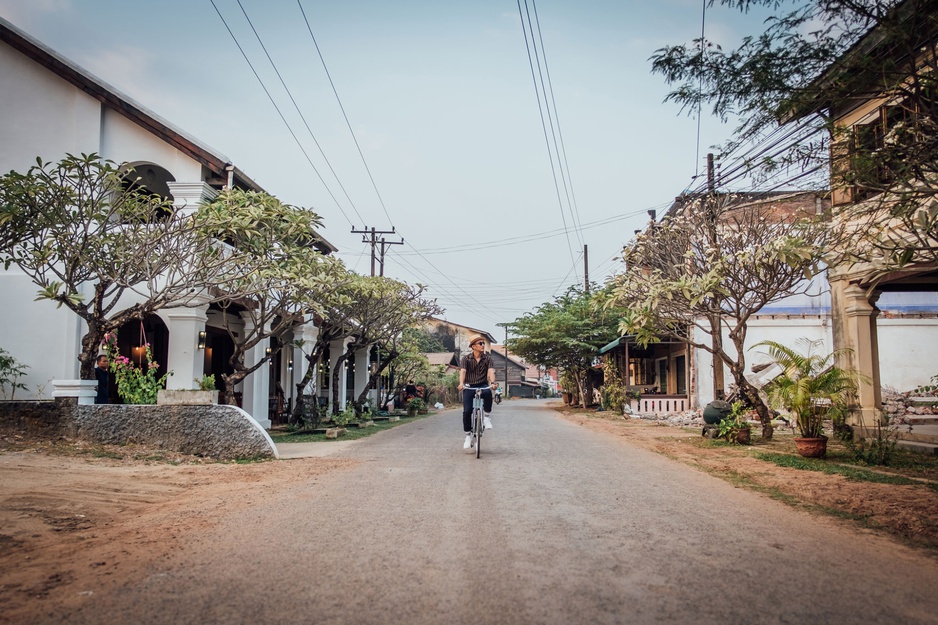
{"x":467,"y":396}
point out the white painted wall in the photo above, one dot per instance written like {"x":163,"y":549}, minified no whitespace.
{"x":45,"y":116}
{"x":908,"y":351}
{"x":785,"y":329}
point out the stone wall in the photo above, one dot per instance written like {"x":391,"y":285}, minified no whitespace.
{"x":222,"y":432}
{"x":34,"y":418}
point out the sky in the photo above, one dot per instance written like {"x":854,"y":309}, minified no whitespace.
{"x":447,"y":145}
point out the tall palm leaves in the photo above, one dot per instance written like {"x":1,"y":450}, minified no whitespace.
{"x":810,"y":387}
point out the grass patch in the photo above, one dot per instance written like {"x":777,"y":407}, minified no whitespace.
{"x":351,"y":433}
{"x":851,"y":473}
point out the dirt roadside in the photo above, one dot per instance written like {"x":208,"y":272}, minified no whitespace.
{"x":907,"y":512}
{"x":74,"y":516}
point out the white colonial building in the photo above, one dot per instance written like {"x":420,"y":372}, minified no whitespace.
{"x":51,"y":107}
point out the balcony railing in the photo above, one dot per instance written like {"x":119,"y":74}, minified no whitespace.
{"x":660,"y":404}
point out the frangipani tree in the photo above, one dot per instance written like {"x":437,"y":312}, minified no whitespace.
{"x":379,"y":311}
{"x":813,"y":62}
{"x":275,"y":275}
{"x":105,"y":251}
{"x":370,"y":310}
{"x":702,"y":273}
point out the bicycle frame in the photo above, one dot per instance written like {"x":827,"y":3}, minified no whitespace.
{"x":478,"y":424}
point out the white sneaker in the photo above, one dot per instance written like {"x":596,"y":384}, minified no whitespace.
{"x":487,"y":423}
{"x":468,"y":443}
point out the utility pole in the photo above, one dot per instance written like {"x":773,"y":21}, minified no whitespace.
{"x":384,"y":246}
{"x":716,"y":322}
{"x":371,"y":236}
{"x":586,"y":269}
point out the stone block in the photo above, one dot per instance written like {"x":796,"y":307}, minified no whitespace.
{"x":335,"y":432}
{"x":182,"y":397}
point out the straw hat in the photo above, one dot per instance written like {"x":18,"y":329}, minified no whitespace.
{"x":476,"y":337}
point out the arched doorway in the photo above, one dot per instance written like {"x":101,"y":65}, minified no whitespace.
{"x":132,"y":338}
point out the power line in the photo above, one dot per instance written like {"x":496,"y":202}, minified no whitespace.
{"x":280,"y":113}
{"x":544,"y":127}
{"x":562,"y":151}
{"x":299,"y":112}
{"x":529,"y":238}
{"x":347,"y":122}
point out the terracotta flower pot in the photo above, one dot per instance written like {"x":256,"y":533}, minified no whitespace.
{"x":812,"y":447}
{"x":743,"y":436}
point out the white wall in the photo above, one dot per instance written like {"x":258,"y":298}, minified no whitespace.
{"x":784,"y":329}
{"x":45,"y":116}
{"x":908,"y":348}
{"x":908,"y":351}
{"x":42,"y":114}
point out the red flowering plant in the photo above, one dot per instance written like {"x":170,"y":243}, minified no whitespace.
{"x":135,"y":385}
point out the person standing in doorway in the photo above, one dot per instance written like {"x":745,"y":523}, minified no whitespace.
{"x":475,"y":370}
{"x":101,"y":375}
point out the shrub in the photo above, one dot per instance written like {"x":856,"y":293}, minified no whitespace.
{"x":207,"y":383}
{"x":10,"y":372}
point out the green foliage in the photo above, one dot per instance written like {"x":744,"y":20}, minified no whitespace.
{"x":566,"y":333}
{"x":10,"y":371}
{"x":811,"y":387}
{"x":346,"y":416}
{"x":424,"y":341}
{"x":415,"y":406}
{"x":927,"y":389}
{"x":851,"y":473}
{"x":614,"y":391}
{"x":877,"y":449}
{"x":735,"y":421}
{"x":135,"y":385}
{"x":84,"y":226}
{"x":206,"y":383}
{"x":810,"y":59}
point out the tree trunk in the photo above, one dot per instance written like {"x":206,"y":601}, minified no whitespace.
{"x":751,"y":395}
{"x":230,"y":381}
{"x":372,"y":380}
{"x":90,"y":344}
{"x":336,"y":409}
{"x":746,"y":390}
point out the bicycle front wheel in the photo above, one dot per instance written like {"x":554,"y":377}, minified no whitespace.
{"x":478,"y":433}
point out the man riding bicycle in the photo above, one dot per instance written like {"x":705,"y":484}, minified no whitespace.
{"x":475,"y":370}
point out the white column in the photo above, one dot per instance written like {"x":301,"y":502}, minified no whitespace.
{"x":336,"y":349}
{"x":308,"y":333}
{"x":185,"y":359}
{"x":363,"y":371}
{"x":256,"y":387}
{"x":188,"y":195}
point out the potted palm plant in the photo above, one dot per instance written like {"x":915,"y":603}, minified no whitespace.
{"x":735,"y":427}
{"x":811,"y":388}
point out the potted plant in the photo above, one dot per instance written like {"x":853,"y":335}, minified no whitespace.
{"x":734,"y":427}
{"x":416,"y":405}
{"x":811,"y":388}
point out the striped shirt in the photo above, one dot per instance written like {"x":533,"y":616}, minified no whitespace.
{"x":477,"y":372}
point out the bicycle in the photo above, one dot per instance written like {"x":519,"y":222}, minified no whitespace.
{"x":478,"y":423}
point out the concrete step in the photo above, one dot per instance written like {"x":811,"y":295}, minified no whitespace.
{"x":914,"y":433}
{"x":930,"y":449}
{"x":922,"y":419}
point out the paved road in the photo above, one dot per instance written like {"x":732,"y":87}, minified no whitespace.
{"x":554,"y":524}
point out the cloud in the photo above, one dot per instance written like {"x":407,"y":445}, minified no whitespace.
{"x":25,"y":14}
